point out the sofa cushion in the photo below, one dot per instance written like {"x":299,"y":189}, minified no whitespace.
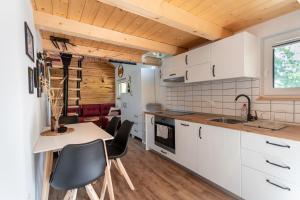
{"x":104,"y":108}
{"x":91,"y":110}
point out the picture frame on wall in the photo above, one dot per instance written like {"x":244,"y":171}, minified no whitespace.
{"x":30,"y":80}
{"x":37,"y":79}
{"x":29,"y":42}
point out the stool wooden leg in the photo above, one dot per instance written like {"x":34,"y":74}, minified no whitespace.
{"x":71,"y":195}
{"x":109,"y":184}
{"x":91,"y":192}
{"x":125,"y":174}
{"x":116,"y":165}
{"x":46,"y":174}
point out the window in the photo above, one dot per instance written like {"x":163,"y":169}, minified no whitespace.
{"x":286,"y":65}
{"x":281,"y":65}
{"x":122,"y":88}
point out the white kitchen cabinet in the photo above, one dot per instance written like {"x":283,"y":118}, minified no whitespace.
{"x":270,"y":166}
{"x":259,"y":186}
{"x":235,"y":56}
{"x":149,"y":131}
{"x":196,"y":73}
{"x":198,"y":56}
{"x":186,"y":135}
{"x":210,"y":151}
{"x":173,"y":67}
{"x":224,"y":157}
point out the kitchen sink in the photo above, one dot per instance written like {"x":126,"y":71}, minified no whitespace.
{"x":226,"y":120}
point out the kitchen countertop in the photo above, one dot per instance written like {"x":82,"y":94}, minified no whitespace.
{"x":291,"y":132}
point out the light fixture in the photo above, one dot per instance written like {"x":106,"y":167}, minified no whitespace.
{"x":298,"y":1}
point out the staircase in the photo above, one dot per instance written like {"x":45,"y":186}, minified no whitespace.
{"x":72,"y":73}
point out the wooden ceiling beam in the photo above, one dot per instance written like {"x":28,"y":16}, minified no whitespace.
{"x":93,"y":52}
{"x":165,"y":13}
{"x":52,"y":23}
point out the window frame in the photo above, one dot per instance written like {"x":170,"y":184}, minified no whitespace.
{"x":267,"y":73}
{"x":285,"y":43}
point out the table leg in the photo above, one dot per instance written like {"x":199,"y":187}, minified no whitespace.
{"x":46,"y":174}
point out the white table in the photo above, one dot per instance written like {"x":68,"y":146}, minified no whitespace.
{"x":83,"y":132}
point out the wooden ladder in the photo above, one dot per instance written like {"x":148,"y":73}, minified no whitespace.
{"x":54,"y":63}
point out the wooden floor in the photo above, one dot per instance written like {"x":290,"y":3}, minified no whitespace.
{"x":154,"y":178}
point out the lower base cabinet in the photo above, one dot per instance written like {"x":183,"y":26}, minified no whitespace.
{"x":259,"y":186}
{"x":210,"y":151}
{"x":224,"y":157}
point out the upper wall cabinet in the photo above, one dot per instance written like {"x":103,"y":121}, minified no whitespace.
{"x":173,"y":67}
{"x":198,"y":56}
{"x":235,"y":57}
{"x":198,"y":65}
{"x":232,"y":57}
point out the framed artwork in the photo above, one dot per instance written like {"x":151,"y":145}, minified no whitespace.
{"x":30,"y":80}
{"x":29,"y":42}
{"x":35,"y":71}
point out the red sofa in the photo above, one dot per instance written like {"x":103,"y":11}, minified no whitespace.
{"x":94,"y":112}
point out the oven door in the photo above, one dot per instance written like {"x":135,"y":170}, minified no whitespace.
{"x":165,"y":136}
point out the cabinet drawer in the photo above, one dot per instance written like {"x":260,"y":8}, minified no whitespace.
{"x":270,"y":145}
{"x":273,"y":165}
{"x":164,"y":152}
{"x":259,"y":186}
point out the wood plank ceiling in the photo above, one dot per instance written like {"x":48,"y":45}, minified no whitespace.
{"x":233,"y":15}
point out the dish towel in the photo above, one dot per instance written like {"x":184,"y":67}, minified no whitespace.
{"x":162,"y":131}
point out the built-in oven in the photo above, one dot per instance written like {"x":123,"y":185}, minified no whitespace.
{"x":165,"y":133}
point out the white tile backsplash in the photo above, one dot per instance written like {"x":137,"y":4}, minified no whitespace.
{"x":218,"y":97}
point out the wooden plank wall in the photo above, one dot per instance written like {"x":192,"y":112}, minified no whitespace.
{"x":98,"y":81}
{"x":98,"y":85}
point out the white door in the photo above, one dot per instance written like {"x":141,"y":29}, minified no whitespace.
{"x":228,"y":57}
{"x":204,"y":154}
{"x":198,"y":56}
{"x":196,"y":73}
{"x":149,"y":131}
{"x":225,"y":158}
{"x":186,"y":143}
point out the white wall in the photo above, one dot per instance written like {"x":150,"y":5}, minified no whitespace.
{"x":22,"y":115}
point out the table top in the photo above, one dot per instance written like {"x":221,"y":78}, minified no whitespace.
{"x":83,"y":132}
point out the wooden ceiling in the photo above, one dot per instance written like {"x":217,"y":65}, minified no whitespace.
{"x":232,"y":15}
{"x":236,"y":15}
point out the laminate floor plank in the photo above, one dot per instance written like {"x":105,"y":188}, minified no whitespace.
{"x":154,"y":178}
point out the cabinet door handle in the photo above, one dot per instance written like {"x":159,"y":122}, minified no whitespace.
{"x":186,"y":59}
{"x":200,"y":135}
{"x":213,"y":70}
{"x":186,"y":75}
{"x":172,"y":74}
{"x":278,"y":145}
{"x":151,"y":120}
{"x":184,"y":124}
{"x":164,"y":152}
{"x":277,"y":165}
{"x":279,"y":186}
